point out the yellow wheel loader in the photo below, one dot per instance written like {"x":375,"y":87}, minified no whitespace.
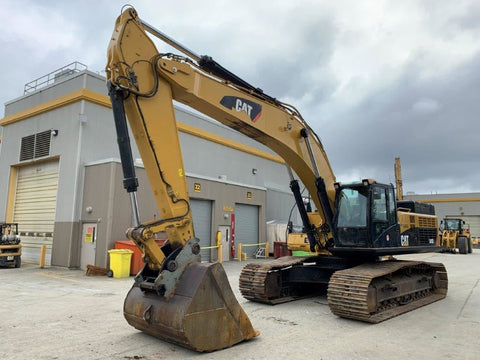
{"x":456,"y":236}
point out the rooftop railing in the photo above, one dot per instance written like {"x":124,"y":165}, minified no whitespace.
{"x":54,"y":76}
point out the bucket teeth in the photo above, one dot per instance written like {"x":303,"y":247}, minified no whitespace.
{"x":203,"y":314}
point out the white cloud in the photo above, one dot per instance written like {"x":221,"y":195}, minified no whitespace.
{"x":426,"y":106}
{"x":38,"y":28}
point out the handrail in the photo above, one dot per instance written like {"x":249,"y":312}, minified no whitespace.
{"x":53,"y":76}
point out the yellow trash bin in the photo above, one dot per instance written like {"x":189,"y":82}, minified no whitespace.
{"x":120,"y":262}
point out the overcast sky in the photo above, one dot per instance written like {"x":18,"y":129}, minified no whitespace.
{"x":375,"y":79}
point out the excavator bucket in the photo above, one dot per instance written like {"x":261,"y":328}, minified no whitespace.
{"x":202,"y":314}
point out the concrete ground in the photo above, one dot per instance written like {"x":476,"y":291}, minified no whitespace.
{"x":56,"y":313}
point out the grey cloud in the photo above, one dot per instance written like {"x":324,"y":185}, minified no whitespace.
{"x":437,"y":142}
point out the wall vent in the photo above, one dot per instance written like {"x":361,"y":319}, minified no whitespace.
{"x":35,"y":146}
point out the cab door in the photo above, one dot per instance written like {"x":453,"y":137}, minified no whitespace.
{"x":385,"y":227}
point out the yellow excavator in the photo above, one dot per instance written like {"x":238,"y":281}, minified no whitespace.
{"x":179,"y":299}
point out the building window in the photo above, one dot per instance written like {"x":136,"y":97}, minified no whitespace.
{"x":35,"y":146}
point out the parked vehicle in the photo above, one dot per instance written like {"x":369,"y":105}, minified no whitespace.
{"x":10,"y":248}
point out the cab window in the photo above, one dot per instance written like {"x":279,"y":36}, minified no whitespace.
{"x":379,"y":205}
{"x":391,"y":207}
{"x":352,"y":209}
{"x":379,"y":211}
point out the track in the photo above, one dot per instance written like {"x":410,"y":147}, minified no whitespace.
{"x":380,"y":291}
{"x":263,"y":282}
{"x":370,"y":292}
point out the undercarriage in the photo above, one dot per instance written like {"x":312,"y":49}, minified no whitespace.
{"x":370,"y":292}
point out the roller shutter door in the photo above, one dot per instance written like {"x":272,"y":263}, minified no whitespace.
{"x":202,"y":224}
{"x":246,"y":227}
{"x":34,"y":208}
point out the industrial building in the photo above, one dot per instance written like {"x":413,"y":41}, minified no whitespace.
{"x":60,"y":168}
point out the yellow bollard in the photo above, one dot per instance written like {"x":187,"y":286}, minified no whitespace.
{"x":219,"y":244}
{"x":239,"y":252}
{"x":266,"y":250}
{"x":43,"y":250}
{"x":244,"y":256}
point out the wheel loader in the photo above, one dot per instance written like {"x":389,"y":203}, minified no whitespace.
{"x":181,"y":300}
{"x":456,"y":235}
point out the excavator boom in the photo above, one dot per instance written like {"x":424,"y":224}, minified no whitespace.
{"x":175,"y":297}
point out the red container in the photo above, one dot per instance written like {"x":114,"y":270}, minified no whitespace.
{"x":136,"y":263}
{"x":280,"y":249}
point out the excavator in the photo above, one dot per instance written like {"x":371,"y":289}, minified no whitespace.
{"x":177,"y":298}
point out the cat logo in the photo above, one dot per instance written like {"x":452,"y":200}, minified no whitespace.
{"x":252,"y":109}
{"x":404,"y":240}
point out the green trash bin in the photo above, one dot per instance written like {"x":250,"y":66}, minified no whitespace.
{"x":120,"y":262}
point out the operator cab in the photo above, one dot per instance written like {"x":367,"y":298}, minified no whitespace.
{"x":366,"y":222}
{"x":366,"y":216}
{"x":452,"y":224}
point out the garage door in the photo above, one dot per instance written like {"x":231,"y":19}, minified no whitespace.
{"x":34,"y":208}
{"x":246,"y":227}
{"x":202,"y":224}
